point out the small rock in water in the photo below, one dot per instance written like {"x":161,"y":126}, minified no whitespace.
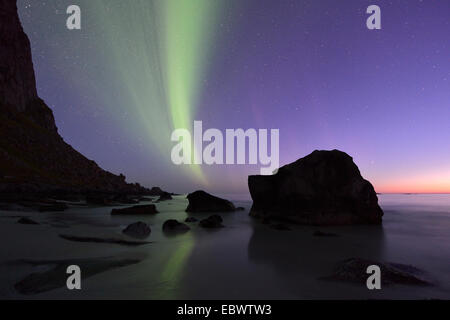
{"x":25,"y":220}
{"x":191,"y":219}
{"x":173,"y":225}
{"x":240,"y":209}
{"x":201,"y":201}
{"x":319,"y":233}
{"x":214,"y":221}
{"x":355,"y":270}
{"x":138,"y":230}
{"x":164,"y":197}
{"x":143,"y":209}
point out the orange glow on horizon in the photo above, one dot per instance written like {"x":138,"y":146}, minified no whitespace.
{"x":437,"y":181}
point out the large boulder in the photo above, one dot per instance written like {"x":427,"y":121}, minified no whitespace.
{"x":201,"y":201}
{"x":136,"y":210}
{"x":323,"y":188}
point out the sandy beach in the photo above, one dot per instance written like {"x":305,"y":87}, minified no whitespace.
{"x":244,"y":260}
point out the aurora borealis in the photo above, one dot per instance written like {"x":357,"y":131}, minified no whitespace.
{"x":139,"y":69}
{"x":162,"y":65}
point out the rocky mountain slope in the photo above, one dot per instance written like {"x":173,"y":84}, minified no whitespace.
{"x":33,"y":156}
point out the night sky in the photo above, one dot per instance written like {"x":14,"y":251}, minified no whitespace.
{"x":138,"y":69}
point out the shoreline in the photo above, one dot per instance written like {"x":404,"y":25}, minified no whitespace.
{"x":183,"y":266}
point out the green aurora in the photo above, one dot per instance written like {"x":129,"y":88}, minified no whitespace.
{"x":162,"y":65}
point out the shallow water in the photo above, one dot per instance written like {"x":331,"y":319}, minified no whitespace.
{"x":246,"y":259}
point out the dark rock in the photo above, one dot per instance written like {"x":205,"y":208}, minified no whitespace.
{"x":355,"y":270}
{"x":157,"y":191}
{"x":56,"y":207}
{"x":280,"y":226}
{"x":173,"y":225}
{"x":214,"y":221}
{"x":138,"y":230}
{"x":319,"y":233}
{"x":323,"y":188}
{"x":136,"y":210}
{"x":191,"y":219}
{"x":50,"y":274}
{"x":102,"y":240}
{"x":25,"y":220}
{"x":165,"y":196}
{"x":240,"y":209}
{"x":200,"y":201}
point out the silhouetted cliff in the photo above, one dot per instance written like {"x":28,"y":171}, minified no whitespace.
{"x":33,"y":156}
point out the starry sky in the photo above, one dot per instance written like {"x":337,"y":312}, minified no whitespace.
{"x":310,"y":68}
